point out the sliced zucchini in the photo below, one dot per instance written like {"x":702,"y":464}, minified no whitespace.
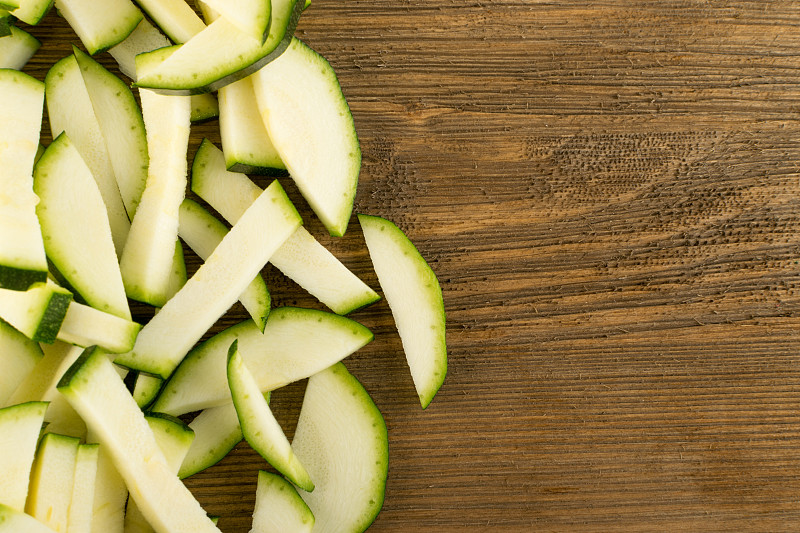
{"x":14,"y":521}
{"x":20,"y":356}
{"x":32,"y":11}
{"x":252,"y":17}
{"x":102,"y":25}
{"x":259,"y":427}
{"x":20,"y":426}
{"x":216,"y":285}
{"x":301,"y":257}
{"x":87,"y":326}
{"x":17,"y":48}
{"x":121,"y":123}
{"x":299,"y":97}
{"x":178,"y":274}
{"x":110,"y":495}
{"x":279,"y":508}
{"x":174,"y":439}
{"x":75,"y":227}
{"x":83,"y":487}
{"x":415,"y":298}
{"x":37,"y":312}
{"x":204,"y":107}
{"x":203,"y":233}
{"x":342,"y":440}
{"x":296,"y":344}
{"x":245,"y":141}
{"x":147,"y":259}
{"x":98,"y":394}
{"x":70,"y":110}
{"x":144,"y":38}
{"x":22,"y":259}
{"x":217,"y":432}
{"x":52,"y":478}
{"x":146,"y":389}
{"x":218,"y":55}
{"x":176,"y":18}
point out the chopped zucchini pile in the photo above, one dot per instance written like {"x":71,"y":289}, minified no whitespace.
{"x":98,"y":219}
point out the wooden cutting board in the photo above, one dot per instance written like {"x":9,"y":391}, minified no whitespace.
{"x":608,"y":192}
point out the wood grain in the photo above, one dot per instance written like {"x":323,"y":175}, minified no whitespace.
{"x":608,"y":192}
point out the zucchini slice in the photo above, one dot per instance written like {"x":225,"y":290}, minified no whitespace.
{"x":299,"y":97}
{"x":301,"y":257}
{"x":93,"y":387}
{"x":122,"y":126}
{"x":22,"y":258}
{"x":217,"y":432}
{"x":101,"y":25}
{"x":17,"y":48}
{"x":70,"y":110}
{"x":110,"y":495}
{"x":176,"y":18}
{"x":20,"y":426}
{"x":203,"y":233}
{"x":86,"y":326}
{"x":296,"y":344}
{"x":279,"y":508}
{"x":218,"y":55}
{"x":216,"y":285}
{"x":147,"y":258}
{"x":52,"y":478}
{"x":259,"y":427}
{"x":252,"y":17}
{"x":14,"y":521}
{"x":37,"y":312}
{"x":415,"y":298}
{"x":75,"y":227}
{"x":245,"y":141}
{"x":20,"y":357}
{"x":32,"y":11}
{"x":342,"y":440}
{"x":82,"y":500}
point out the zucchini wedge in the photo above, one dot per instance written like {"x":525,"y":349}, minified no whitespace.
{"x":217,"y":432}
{"x":17,"y":48}
{"x":20,"y":357}
{"x":20,"y":426}
{"x":218,"y":55}
{"x":38,"y":312}
{"x":279,"y":508}
{"x":52,"y":478}
{"x":100,"y":25}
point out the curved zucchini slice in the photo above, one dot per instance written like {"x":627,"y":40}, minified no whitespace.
{"x":415,"y":298}
{"x":17,"y":48}
{"x":279,"y":508}
{"x":32,"y":11}
{"x":217,"y":432}
{"x":101,"y":25}
{"x":176,"y":18}
{"x":296,"y":344}
{"x":299,"y":97}
{"x":75,"y":226}
{"x":22,"y":257}
{"x":203,"y":233}
{"x":342,"y":440}
{"x":259,"y":427}
{"x":20,"y":426}
{"x":218,"y":55}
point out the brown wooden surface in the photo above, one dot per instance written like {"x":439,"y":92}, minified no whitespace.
{"x":608,"y":192}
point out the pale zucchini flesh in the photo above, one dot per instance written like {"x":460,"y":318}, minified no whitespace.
{"x":97,"y":392}
{"x":75,"y":227}
{"x":296,"y":344}
{"x":22,"y":259}
{"x":38,"y":312}
{"x":217,"y":432}
{"x":14,"y":521}
{"x":20,"y":426}
{"x":82,"y":500}
{"x":122,"y":126}
{"x":52,"y":479}
{"x":301,"y":258}
{"x":17,"y":48}
{"x":20,"y":357}
{"x":86,"y":326}
{"x":100,"y":25}
{"x":250,"y":16}
{"x":311,"y":127}
{"x":176,"y":18}
{"x":259,"y":427}
{"x":216,"y":285}
{"x":341,"y":438}
{"x":279,"y":508}
{"x":203,"y":64}
{"x":149,"y":252}
{"x":415,"y":298}
{"x":203,"y":233}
